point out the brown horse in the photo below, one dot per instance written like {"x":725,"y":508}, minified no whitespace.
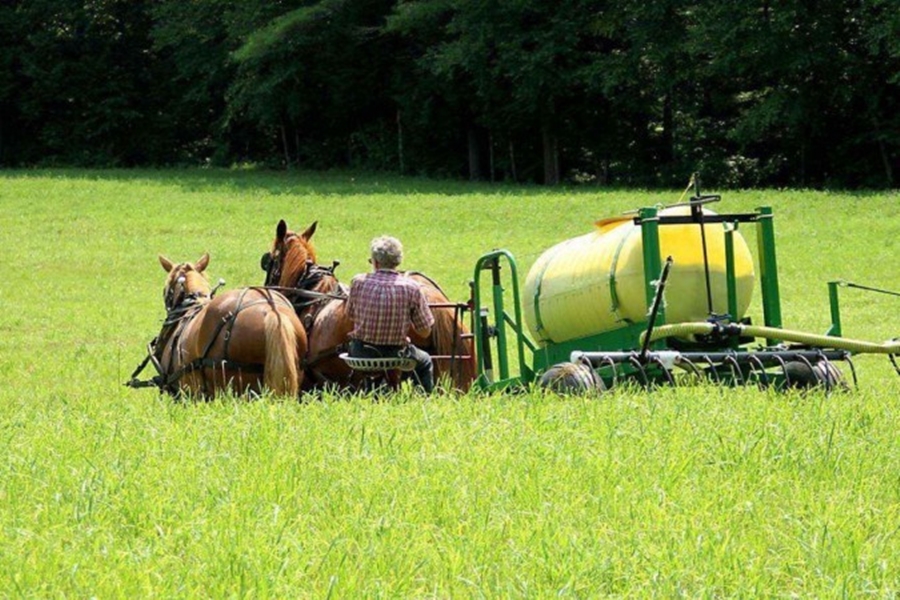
{"x":246,"y":340}
{"x":320,"y":301}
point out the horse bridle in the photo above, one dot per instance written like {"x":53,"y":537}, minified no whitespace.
{"x":172,"y":300}
{"x":273,"y":266}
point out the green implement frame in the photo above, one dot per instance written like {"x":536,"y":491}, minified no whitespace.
{"x":501,"y":337}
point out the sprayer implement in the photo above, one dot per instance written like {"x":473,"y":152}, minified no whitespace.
{"x":657,"y":296}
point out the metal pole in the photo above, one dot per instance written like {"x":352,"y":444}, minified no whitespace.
{"x":730,"y":280}
{"x":502,"y":359}
{"x":835,"y":328}
{"x":768,"y":269}
{"x":697,"y":214}
{"x":654,"y":311}
{"x":650,"y":244}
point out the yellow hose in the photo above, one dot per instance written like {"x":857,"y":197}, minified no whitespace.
{"x":774,"y":333}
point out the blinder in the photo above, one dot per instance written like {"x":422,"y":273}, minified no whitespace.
{"x":270,"y":266}
{"x":169,"y":294}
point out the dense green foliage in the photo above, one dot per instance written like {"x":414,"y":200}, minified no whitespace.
{"x":109,"y":492}
{"x":618,"y":91}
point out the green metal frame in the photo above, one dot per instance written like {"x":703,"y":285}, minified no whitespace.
{"x":835,"y":328}
{"x":486,"y":379}
{"x":768,"y":269}
{"x":627,"y":337}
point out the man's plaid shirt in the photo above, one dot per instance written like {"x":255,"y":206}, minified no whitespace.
{"x":383,"y":305}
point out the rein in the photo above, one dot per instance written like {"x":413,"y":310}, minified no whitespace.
{"x":310,"y":295}
{"x":176,"y":320}
{"x":301,"y":294}
{"x":177,"y":317}
{"x":426,"y":278}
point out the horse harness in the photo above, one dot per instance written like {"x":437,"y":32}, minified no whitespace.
{"x":308,"y":280}
{"x":304,"y":297}
{"x":177,"y":319}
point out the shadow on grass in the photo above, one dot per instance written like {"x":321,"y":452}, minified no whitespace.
{"x":300,"y":182}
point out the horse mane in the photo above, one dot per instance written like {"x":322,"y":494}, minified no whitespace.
{"x":297,"y":254}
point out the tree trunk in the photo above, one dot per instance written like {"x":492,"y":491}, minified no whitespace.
{"x":512,"y":161}
{"x":551,"y":156}
{"x":400,"y":141}
{"x":474,"y":154}
{"x":284,"y":144}
{"x":603,"y":171}
{"x":491,"y":153}
{"x":803,"y":162}
{"x":667,"y":153}
{"x":882,"y":150}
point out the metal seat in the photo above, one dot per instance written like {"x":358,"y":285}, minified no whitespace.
{"x":386,"y":369}
{"x":381,"y":364}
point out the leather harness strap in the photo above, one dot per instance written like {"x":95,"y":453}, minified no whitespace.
{"x":173,"y":328}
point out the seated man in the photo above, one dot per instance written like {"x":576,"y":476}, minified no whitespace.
{"x":384,"y":306}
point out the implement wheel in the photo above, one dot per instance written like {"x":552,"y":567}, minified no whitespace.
{"x":572,"y":378}
{"x":802,"y":375}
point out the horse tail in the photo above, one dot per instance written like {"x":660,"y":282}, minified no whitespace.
{"x":449,"y":338}
{"x":281,"y":372}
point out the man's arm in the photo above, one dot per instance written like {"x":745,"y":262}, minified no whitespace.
{"x":424,"y":332}
{"x":421,"y":317}
{"x":352,"y":299}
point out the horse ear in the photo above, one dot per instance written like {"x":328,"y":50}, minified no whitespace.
{"x":281,"y":230}
{"x":166,"y":263}
{"x":309,"y":231}
{"x":201,"y":264}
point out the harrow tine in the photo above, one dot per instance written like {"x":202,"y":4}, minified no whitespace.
{"x":583,"y":360}
{"x":712,"y":369}
{"x":636,"y":363}
{"x":615,"y":373}
{"x":784,"y":370}
{"x":829,"y":376}
{"x":755,"y":362}
{"x":669,"y":377}
{"x":735,"y":368}
{"x":804,"y":360}
{"x":688,"y":365}
{"x":853,"y":370}
{"x":893,"y":359}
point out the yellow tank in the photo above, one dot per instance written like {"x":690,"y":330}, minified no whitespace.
{"x":595,"y":283}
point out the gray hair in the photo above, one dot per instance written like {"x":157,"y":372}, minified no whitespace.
{"x":387,"y":251}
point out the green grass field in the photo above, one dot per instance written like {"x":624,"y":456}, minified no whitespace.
{"x":111,"y":492}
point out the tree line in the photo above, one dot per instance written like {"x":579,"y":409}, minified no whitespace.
{"x":637,"y":92}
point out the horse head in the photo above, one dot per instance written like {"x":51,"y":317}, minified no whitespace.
{"x":185,"y":281}
{"x":291,"y":253}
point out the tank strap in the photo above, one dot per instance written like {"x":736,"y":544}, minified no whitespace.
{"x":613,"y":267}
{"x":538,"y":283}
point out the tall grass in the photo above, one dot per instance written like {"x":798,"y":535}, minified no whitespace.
{"x":111,"y":492}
